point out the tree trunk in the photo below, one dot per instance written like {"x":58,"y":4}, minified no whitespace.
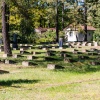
{"x":49,"y":24}
{"x":5,"y":28}
{"x":40,"y":21}
{"x":62,"y":16}
{"x":57,"y":30}
{"x":85,"y":20}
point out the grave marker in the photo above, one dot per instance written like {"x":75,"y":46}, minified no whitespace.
{"x":30,"y":57}
{"x":6,"y":55}
{"x":25,"y":63}
{"x":60,"y":43}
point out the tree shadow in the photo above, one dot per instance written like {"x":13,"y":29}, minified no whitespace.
{"x":19,"y":81}
{"x":3,"y":72}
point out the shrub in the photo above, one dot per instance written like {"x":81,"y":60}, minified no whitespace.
{"x":96,"y":36}
{"x":48,"y":36}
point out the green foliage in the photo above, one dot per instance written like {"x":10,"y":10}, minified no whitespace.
{"x":61,"y":34}
{"x":0,"y":36}
{"x":27,"y":14}
{"x":26,"y":27}
{"x":96,"y":35}
{"x":48,"y":36}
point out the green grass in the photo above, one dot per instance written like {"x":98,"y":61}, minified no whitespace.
{"x":75,"y":63}
{"x":79,"y":80}
{"x":43,"y":84}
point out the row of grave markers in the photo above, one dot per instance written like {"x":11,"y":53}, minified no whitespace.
{"x":48,"y":53}
{"x":30,"y":57}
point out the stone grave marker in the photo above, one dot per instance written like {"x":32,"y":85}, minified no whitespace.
{"x":83,"y":50}
{"x":53,"y":47}
{"x":25,"y":63}
{"x":34,"y":53}
{"x":6,"y":55}
{"x":95,"y":43}
{"x":51,"y":66}
{"x":44,"y":48}
{"x":26,"y":44}
{"x":9,"y":61}
{"x":22,"y":49}
{"x":16,"y":55}
{"x":14,"y":48}
{"x":30,"y":47}
{"x":15,"y":45}
{"x":30,"y":57}
{"x":66,"y":60}
{"x":1,"y":48}
{"x":60,"y":43}
{"x":89,"y":44}
{"x":22,"y":52}
{"x":20,"y":44}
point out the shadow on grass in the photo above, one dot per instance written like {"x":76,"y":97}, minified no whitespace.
{"x":3,"y":72}
{"x":19,"y":81}
{"x":82,"y":68}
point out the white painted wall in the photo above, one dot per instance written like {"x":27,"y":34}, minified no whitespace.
{"x":75,"y":35}
{"x":71,"y":36}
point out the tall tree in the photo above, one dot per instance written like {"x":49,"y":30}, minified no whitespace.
{"x":85,"y":18}
{"x":5,"y":28}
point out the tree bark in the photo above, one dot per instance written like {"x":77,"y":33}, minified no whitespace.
{"x":57,"y":25}
{"x":62,"y":16}
{"x":85,"y":20}
{"x":5,"y":28}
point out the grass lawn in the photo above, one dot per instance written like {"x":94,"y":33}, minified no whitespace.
{"x":43,"y":84}
{"x":79,"y":80}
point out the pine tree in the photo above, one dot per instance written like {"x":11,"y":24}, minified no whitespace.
{"x":5,"y":28}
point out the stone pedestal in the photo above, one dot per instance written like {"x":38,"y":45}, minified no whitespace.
{"x":44,"y":49}
{"x":7,"y":61}
{"x":22,"y":52}
{"x":89,"y":44}
{"x":60,"y":43}
{"x":14,"y":49}
{"x":60,"y":47}
{"x":25,"y":63}
{"x":53,"y":47}
{"x":30,"y":47}
{"x":34,"y":53}
{"x":15,"y":55}
{"x":1,"y":49}
{"x":26,"y":44}
{"x":51,"y":66}
{"x":6,"y":55}
{"x":30,"y":57}
{"x":95,"y":44}
{"x":21,"y":49}
{"x":20,"y":44}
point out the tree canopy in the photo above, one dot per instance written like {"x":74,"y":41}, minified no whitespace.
{"x":25,"y":15}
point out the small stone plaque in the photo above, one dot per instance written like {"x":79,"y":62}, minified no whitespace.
{"x":6,"y":55}
{"x":25,"y":63}
{"x":29,"y":57}
{"x":51,"y":66}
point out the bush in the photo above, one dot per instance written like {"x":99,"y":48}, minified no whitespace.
{"x":96,"y":36}
{"x":48,"y":36}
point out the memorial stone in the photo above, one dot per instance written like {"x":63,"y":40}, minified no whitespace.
{"x":15,"y":45}
{"x":60,"y":43}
